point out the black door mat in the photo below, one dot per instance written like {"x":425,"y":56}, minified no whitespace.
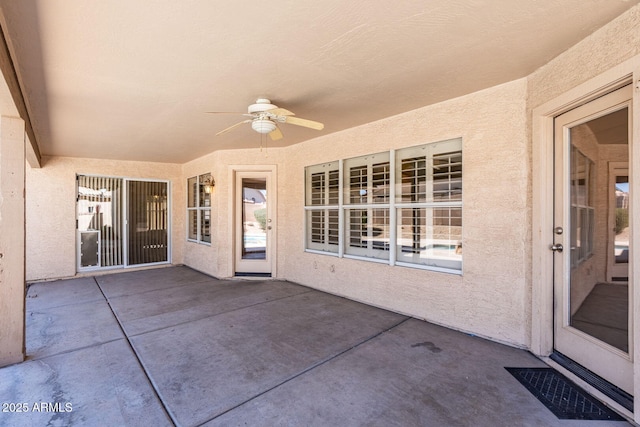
{"x":561,"y":396}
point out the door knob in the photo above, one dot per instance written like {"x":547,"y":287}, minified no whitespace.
{"x":557,"y":248}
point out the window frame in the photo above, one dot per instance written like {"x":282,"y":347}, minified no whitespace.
{"x":201,"y":207}
{"x":373,"y":202}
{"x":392,"y":203}
{"x":325,"y":204}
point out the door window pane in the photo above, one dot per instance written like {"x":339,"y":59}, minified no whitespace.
{"x":599,"y":229}
{"x":254,"y":218}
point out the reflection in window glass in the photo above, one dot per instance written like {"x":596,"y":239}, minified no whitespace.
{"x":582,"y":209}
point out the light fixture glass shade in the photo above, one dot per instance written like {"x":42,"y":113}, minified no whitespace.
{"x":263,"y":125}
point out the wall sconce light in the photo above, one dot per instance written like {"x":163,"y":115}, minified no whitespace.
{"x":209,"y":183}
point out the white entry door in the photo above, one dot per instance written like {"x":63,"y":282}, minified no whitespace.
{"x":254,"y":223}
{"x":592,"y":316}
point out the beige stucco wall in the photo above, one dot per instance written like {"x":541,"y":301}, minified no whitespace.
{"x":216,"y":259}
{"x":491,"y":297}
{"x":604,"y":49}
{"x":51,"y":209}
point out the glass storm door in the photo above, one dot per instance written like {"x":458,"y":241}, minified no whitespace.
{"x":592,"y":315}
{"x":254,"y":224}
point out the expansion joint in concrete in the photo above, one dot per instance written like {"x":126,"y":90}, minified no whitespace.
{"x":137,"y":356}
{"x":312,"y":367}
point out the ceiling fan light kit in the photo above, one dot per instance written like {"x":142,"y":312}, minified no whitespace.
{"x":264,"y":117}
{"x":263,"y":125}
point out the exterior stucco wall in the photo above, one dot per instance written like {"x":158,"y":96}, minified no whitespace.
{"x":604,"y":49}
{"x":491,"y":297}
{"x":51,"y":209}
{"x":217,"y":259}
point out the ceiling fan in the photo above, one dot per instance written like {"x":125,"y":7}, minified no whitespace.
{"x":264,"y":119}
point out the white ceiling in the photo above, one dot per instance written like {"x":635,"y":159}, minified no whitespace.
{"x":122,"y":79}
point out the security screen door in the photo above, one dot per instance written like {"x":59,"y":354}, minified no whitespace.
{"x":592,"y":315}
{"x":121,"y":222}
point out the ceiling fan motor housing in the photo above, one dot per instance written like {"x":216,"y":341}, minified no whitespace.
{"x":262,"y":105}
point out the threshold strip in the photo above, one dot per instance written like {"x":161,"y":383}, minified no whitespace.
{"x":315,"y":365}
{"x":135,"y":353}
{"x":605,"y":387}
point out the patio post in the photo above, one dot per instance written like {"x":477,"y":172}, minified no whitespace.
{"x":12,"y":240}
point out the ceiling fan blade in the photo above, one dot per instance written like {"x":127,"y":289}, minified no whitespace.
{"x":276,"y":134}
{"x":304,"y":122}
{"x":229,"y":112}
{"x":280,"y":112}
{"x":232,"y":127}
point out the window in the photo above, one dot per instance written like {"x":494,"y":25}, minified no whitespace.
{"x":429,"y":205}
{"x":199,"y":208}
{"x":367,"y":189}
{"x":322,"y":198}
{"x":402,"y":207}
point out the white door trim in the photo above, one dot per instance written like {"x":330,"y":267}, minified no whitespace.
{"x":233,"y":170}
{"x":542,"y":201}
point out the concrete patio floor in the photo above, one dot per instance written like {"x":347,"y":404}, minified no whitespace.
{"x":172,"y":346}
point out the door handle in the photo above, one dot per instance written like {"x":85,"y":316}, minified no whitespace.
{"x":556,"y":248}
